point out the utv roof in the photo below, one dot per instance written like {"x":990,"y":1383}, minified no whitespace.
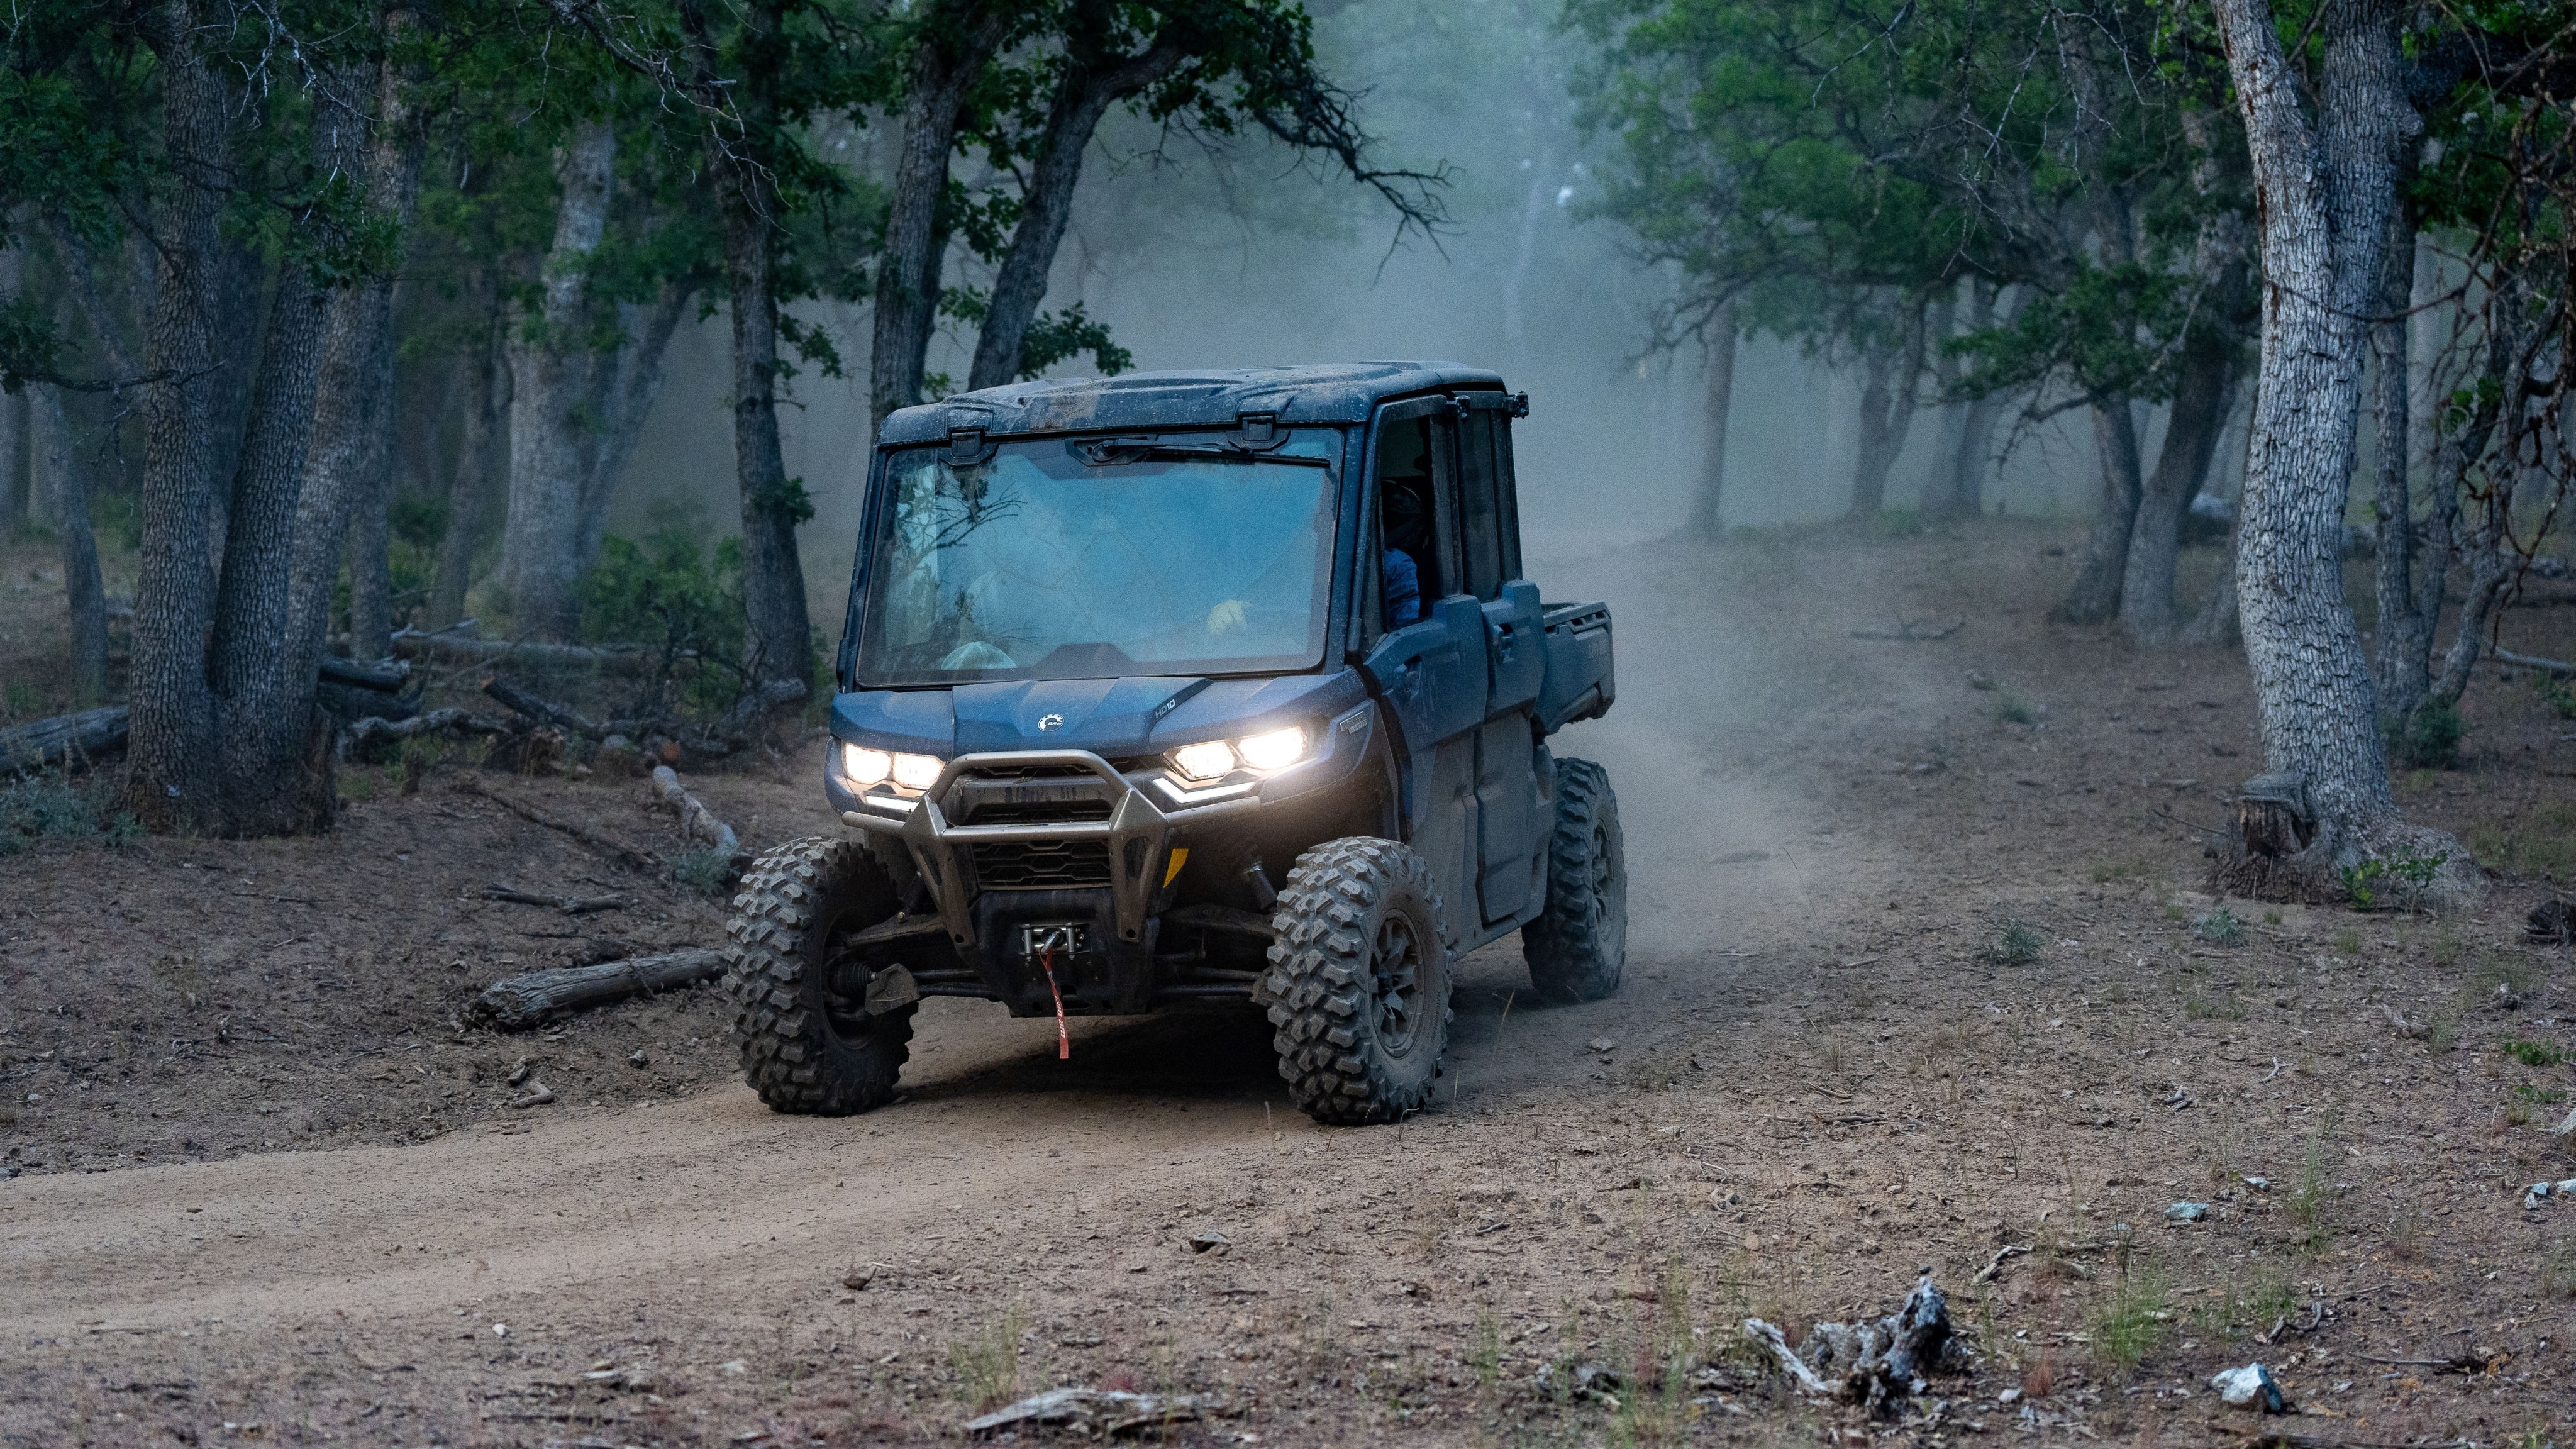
{"x":1333,"y":392}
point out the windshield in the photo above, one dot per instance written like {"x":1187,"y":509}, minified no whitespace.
{"x":1040,"y":563}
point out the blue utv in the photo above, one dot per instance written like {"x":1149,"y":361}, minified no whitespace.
{"x":1190,"y":687}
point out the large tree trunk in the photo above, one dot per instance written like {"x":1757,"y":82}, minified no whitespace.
{"x":241,"y":287}
{"x":2147,"y":611}
{"x":1091,"y":84}
{"x":550,"y":367}
{"x":623,"y":399}
{"x":274,"y":781}
{"x":2402,"y":639}
{"x":482,"y":461}
{"x":1887,"y":400}
{"x":2325,"y":189}
{"x":350,"y":470}
{"x":958,"y":37}
{"x":2095,"y":598}
{"x":66,"y":486}
{"x":170,"y":755}
{"x":1706,"y":521}
{"x":780,"y":645}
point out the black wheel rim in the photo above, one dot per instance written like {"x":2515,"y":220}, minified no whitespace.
{"x":1395,"y":1006}
{"x":1604,"y":876}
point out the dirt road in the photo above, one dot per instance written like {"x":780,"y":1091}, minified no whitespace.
{"x":1821,"y":1075}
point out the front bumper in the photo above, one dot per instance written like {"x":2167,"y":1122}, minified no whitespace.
{"x":1130,"y":844}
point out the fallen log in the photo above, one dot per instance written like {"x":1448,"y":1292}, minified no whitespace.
{"x":63,"y":739}
{"x":697,"y":822}
{"x":615,"y":658}
{"x":385,"y":675}
{"x":516,"y":1003}
{"x":2549,"y":666}
{"x":569,"y":905}
{"x":619,"y":852}
{"x":437,"y":721}
{"x":546,"y":711}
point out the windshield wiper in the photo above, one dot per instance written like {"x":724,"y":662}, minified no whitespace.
{"x":1116,"y":452}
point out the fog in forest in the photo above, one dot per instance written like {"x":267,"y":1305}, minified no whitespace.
{"x":1245,"y":260}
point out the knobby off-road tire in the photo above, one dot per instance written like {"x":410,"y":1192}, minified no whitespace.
{"x":1359,"y":982}
{"x":1578,"y":944}
{"x":804,"y":1048}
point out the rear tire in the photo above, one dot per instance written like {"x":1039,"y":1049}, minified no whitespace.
{"x":1577,"y":946}
{"x":806,"y":1048}
{"x":1359,"y":982}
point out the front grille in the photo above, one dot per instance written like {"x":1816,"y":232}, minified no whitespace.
{"x":1042,"y":812}
{"x":1041,"y":864}
{"x":1029,"y":772}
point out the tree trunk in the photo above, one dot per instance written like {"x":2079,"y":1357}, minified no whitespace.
{"x":2402,"y":639}
{"x":66,"y":487}
{"x":272,"y":782}
{"x":550,"y":382}
{"x":17,"y":493}
{"x":2487,"y":544}
{"x":959,"y":38}
{"x":780,"y":644}
{"x":239,"y":308}
{"x":1089,"y":88}
{"x":2147,"y":611}
{"x":482,"y":458}
{"x":170,"y":755}
{"x":624,"y":399}
{"x":2095,"y":598}
{"x":351,"y":470}
{"x":1886,"y":413}
{"x":1706,"y":521}
{"x":2325,"y":191}
{"x":1964,"y":492}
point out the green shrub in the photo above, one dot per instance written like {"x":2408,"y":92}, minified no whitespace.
{"x":51,"y":807}
{"x":2428,"y":738}
{"x":665,"y":594}
{"x":2014,"y":944}
{"x":2221,"y":927}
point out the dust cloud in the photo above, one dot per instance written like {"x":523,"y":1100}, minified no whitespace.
{"x":1245,"y":259}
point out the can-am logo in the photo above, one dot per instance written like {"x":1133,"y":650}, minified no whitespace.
{"x":1052,"y":721}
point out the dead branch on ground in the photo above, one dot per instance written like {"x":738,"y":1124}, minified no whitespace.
{"x":516,"y":1003}
{"x":569,"y":905}
{"x":697,"y":822}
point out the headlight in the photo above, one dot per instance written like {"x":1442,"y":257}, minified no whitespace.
{"x":1204,"y":761}
{"x":917,"y":772}
{"x":1269,"y":750}
{"x":1276,"y":750}
{"x":863,"y":766}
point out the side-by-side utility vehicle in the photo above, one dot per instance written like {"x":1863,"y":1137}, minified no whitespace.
{"x":1191,"y":687}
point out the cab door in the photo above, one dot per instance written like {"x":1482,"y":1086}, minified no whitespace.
{"x":1510,"y":801}
{"x":1431,"y":675}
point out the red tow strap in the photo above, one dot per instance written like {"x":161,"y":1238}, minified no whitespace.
{"x":1063,"y":1042}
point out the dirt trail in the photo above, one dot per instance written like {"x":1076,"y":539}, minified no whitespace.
{"x":1817,"y":1080}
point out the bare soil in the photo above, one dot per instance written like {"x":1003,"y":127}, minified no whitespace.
{"x":268,"y":1187}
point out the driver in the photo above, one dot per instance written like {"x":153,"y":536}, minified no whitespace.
{"x":1406,"y":524}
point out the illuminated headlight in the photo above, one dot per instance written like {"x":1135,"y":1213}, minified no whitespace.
{"x":863,"y":766}
{"x":1204,"y":761}
{"x":1270,"y":750}
{"x":1276,"y":750}
{"x":917,"y":772}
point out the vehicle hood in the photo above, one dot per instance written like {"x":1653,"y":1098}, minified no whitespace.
{"x":1109,"y":717}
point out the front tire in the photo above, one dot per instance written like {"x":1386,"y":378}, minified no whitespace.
{"x":1578,"y":945}
{"x":1359,"y":982}
{"x":805,"y":1047}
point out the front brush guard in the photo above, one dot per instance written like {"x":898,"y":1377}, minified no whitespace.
{"x":1138,"y":832}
